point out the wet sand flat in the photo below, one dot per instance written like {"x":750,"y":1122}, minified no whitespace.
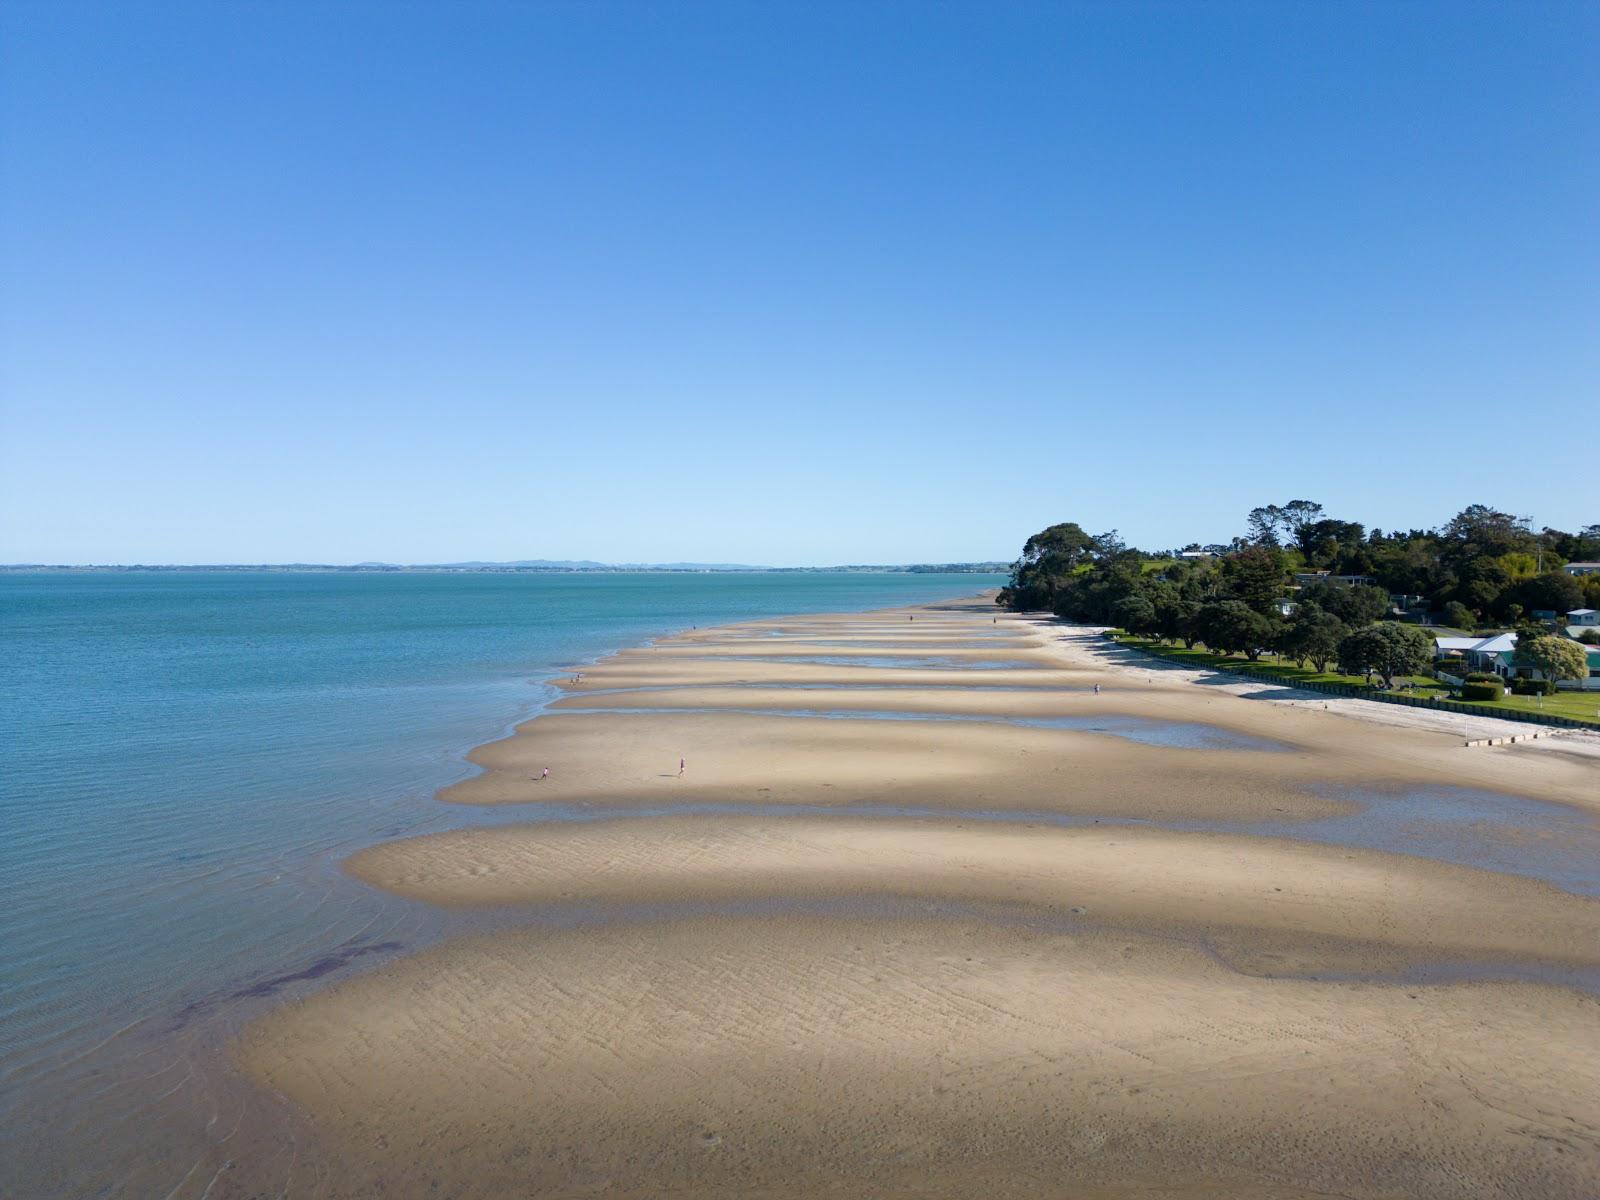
{"x":873,"y":941}
{"x":627,"y":760}
{"x":1127,"y":877}
{"x":795,"y":1057}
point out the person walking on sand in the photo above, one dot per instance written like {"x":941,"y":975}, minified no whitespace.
{"x":682,"y":763}
{"x":1097,"y":689}
{"x":545,"y":775}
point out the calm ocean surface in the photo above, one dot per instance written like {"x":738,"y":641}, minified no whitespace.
{"x":187,"y":759}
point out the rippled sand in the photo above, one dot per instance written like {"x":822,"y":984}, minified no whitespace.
{"x":859,"y":956}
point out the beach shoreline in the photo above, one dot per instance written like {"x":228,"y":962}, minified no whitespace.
{"x":180,"y":855}
{"x":761,"y":801}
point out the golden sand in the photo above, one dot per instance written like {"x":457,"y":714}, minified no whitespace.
{"x":803,"y":992}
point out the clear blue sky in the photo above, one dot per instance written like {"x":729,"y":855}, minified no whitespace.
{"x":786,"y":284}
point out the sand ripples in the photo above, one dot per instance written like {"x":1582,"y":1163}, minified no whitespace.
{"x":1010,"y":940}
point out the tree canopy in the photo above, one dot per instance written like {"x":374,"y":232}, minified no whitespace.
{"x":1554,"y":657}
{"x":1049,"y":557}
{"x":1233,"y":627}
{"x":1481,"y":568}
{"x":1386,"y":650}
{"x":1311,"y":635}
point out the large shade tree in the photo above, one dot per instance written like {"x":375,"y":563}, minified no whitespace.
{"x":1554,"y":657}
{"x":1386,"y":649}
{"x":1233,"y":627}
{"x":1135,"y":614}
{"x":1049,"y":559}
{"x":1311,"y":635}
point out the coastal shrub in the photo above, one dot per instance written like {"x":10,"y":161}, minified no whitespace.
{"x":1533,"y":687}
{"x":1482,"y":691}
{"x":1483,"y":677}
{"x":1458,"y":616}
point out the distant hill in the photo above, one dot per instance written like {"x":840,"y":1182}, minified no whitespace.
{"x":531,"y":565}
{"x":521,"y":564}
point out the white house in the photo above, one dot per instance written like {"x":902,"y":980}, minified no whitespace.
{"x":1498,"y":654}
{"x":1582,"y":568}
{"x":1583,"y":616}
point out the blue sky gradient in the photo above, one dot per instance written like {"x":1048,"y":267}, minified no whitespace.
{"x":789,"y":284}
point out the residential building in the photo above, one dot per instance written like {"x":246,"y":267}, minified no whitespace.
{"x":1304,"y":577}
{"x":1497,"y":653}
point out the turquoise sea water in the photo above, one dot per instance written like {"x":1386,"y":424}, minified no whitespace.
{"x":189,"y":756}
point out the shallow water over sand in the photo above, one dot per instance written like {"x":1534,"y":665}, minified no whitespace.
{"x":189,"y":757}
{"x":1184,"y":735}
{"x":206,"y":858}
{"x":909,"y":662}
{"x":1487,"y":830}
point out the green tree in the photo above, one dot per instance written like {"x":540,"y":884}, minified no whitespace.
{"x":1554,"y":657}
{"x":1266,"y":525}
{"x":1329,"y":543}
{"x":1554,"y":590}
{"x":1255,"y":576}
{"x":1232,"y":626}
{"x":1109,"y":547}
{"x":1458,"y":616}
{"x":1135,"y":614}
{"x":1482,"y":584}
{"x":1049,"y":559}
{"x":1357,"y":605}
{"x":1298,"y":514}
{"x":1313,"y":636}
{"x":1482,"y":531}
{"x":1386,"y":649}
{"x":1177,"y":620}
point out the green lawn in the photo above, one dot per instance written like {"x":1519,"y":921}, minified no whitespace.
{"x":1581,"y":706}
